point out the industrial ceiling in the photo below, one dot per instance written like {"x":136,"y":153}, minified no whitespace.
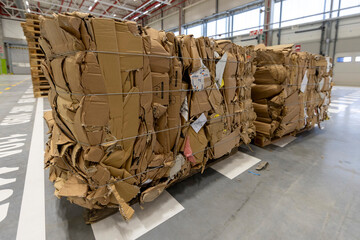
{"x":119,"y":9}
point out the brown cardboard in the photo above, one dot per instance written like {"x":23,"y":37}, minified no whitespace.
{"x":226,"y":144}
{"x":160,"y":83}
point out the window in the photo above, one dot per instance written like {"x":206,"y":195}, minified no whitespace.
{"x":218,"y":28}
{"x":248,"y":21}
{"x":196,"y":31}
{"x":357,"y":59}
{"x":348,"y":4}
{"x":221,"y":28}
{"x":211,"y":29}
{"x":344,"y":59}
{"x":176,"y":33}
{"x":296,"y":9}
{"x":353,"y":5}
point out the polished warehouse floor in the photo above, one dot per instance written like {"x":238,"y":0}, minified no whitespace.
{"x":310,"y":190}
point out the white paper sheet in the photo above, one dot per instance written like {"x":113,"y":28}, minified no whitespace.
{"x":304,"y":82}
{"x":220,"y":67}
{"x":198,"y":78}
{"x":185,"y":110}
{"x":199,"y":123}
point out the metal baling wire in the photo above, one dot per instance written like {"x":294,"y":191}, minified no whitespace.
{"x":181,"y":126}
{"x":152,"y":168}
{"x":148,"y":92}
{"x":170,"y":91}
{"x":158,"y":167}
{"x":185,"y":125}
{"x":159,"y":131}
{"x":151,"y":55}
{"x":170,"y":57}
{"x":217,"y":118}
{"x":182,"y":90}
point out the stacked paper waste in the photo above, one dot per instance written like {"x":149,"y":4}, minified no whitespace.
{"x":291,"y":92}
{"x":135,"y":109}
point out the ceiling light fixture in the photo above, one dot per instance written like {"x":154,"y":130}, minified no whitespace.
{"x":27,"y":3}
{"x":146,"y":12}
{"x":90,"y":8}
{"x":136,"y":18}
{"x":158,"y":5}
{"x":28,"y":10}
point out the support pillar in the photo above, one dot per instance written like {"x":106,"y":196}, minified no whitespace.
{"x":268,"y":20}
{"x":3,"y":62}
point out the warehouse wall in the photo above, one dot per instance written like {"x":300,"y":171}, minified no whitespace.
{"x":12,"y":29}
{"x":195,"y":10}
{"x":16,"y":52}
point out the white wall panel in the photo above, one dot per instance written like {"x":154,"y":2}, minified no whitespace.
{"x":347,"y":74}
{"x":349,"y":28}
{"x":200,"y":11}
{"x":171,"y":22}
{"x":12,"y":29}
{"x":225,"y":5}
{"x":156,"y":25}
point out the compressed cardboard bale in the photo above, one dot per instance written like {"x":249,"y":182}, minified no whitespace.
{"x":291,"y":91}
{"x":128,"y":118}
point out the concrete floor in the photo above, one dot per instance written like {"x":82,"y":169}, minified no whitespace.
{"x":310,"y":190}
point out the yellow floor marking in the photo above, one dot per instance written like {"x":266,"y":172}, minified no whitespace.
{"x":13,"y":85}
{"x":7,"y":88}
{"x":0,"y":92}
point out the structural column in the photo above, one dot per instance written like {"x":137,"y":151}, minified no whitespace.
{"x":268,"y":20}
{"x":3,"y":68}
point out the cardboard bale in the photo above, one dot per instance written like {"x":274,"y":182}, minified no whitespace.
{"x":135,"y":109}
{"x":291,"y":91}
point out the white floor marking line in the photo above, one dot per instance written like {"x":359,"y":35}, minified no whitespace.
{"x":333,"y":110}
{"x":282,"y":142}
{"x":235,"y":164}
{"x":343,"y":101}
{"x":4,"y":181}
{"x":8,"y":169}
{"x":340,"y":106}
{"x":348,"y":99}
{"x":3,"y":211}
{"x":32,"y":213}
{"x":153,"y":214}
{"x":5,"y":194}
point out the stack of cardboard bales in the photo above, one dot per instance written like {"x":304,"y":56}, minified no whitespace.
{"x":135,"y":109}
{"x":320,"y":96}
{"x":31,"y":28}
{"x":291,"y":91}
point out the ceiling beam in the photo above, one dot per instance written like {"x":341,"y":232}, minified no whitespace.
{"x":118,"y":6}
{"x":62,"y":2}
{"x":94,"y":6}
{"x":69,"y":5}
{"x":75,"y":9}
{"x":145,"y":5}
{"x":82,"y":2}
{"x":20,"y":5}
